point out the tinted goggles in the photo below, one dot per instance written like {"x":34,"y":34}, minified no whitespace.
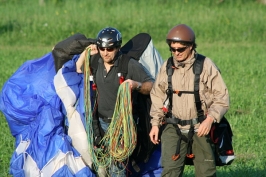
{"x":109,"y":49}
{"x":180,"y":50}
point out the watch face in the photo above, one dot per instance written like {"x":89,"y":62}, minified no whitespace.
{"x":139,"y":87}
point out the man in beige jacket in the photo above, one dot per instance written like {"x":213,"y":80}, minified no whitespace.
{"x":187,"y":131}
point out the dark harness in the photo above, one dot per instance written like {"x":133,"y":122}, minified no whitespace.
{"x":170,"y":119}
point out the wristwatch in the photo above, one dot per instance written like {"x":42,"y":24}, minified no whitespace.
{"x":139,"y":86}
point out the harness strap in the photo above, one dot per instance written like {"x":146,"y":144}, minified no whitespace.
{"x":179,"y":93}
{"x":190,"y":141}
{"x":175,"y":120}
{"x":170,"y":119}
{"x":197,"y":69}
{"x":181,"y":137}
{"x":169,"y":91}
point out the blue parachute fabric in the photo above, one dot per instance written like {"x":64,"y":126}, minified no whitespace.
{"x":75,"y":82}
{"x":16,"y":165}
{"x":22,"y":97}
{"x":72,"y":78}
{"x":33,"y":112}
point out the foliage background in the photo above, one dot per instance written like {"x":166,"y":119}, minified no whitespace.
{"x":232,"y":33}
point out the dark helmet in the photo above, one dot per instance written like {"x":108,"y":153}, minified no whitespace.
{"x":109,"y":37}
{"x":181,"y":33}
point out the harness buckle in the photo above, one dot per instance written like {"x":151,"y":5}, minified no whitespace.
{"x":94,"y":87}
{"x":194,"y":121}
{"x":175,"y":157}
{"x":229,"y":152}
{"x":191,"y":156}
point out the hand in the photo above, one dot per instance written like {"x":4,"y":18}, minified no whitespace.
{"x":93,"y":49}
{"x":81,"y":59}
{"x":205,"y":127}
{"x":154,"y":134}
{"x":133,"y":84}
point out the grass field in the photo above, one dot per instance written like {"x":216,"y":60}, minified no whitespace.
{"x":232,"y":33}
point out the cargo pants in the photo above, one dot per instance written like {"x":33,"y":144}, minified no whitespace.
{"x":204,"y":161}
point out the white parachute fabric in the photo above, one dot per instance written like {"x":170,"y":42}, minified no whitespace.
{"x":76,"y":128}
{"x":151,"y":59}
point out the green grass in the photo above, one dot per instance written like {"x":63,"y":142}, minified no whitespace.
{"x":232,"y":33}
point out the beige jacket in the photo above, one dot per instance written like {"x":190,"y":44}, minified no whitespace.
{"x":213,"y":92}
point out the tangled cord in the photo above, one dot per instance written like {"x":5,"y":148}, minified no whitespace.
{"x":120,"y":138}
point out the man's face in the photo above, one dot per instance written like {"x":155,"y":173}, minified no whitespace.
{"x":108,"y":53}
{"x":180,"y":52}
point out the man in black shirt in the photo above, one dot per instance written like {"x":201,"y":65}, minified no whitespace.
{"x":108,"y":45}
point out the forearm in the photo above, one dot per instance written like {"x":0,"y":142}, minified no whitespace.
{"x":146,"y":88}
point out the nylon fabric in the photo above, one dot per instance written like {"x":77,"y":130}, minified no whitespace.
{"x":76,"y":129}
{"x":33,"y":112}
{"x":151,"y":59}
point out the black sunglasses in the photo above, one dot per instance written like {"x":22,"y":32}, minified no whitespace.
{"x":109,"y":49}
{"x":180,"y":50}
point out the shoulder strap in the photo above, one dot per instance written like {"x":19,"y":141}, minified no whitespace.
{"x":169,"y":68}
{"x":169,"y":91}
{"x":197,"y":69}
{"x":94,"y":64}
{"x":123,"y":65}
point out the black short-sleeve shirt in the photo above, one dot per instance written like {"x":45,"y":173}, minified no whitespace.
{"x":108,"y":83}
